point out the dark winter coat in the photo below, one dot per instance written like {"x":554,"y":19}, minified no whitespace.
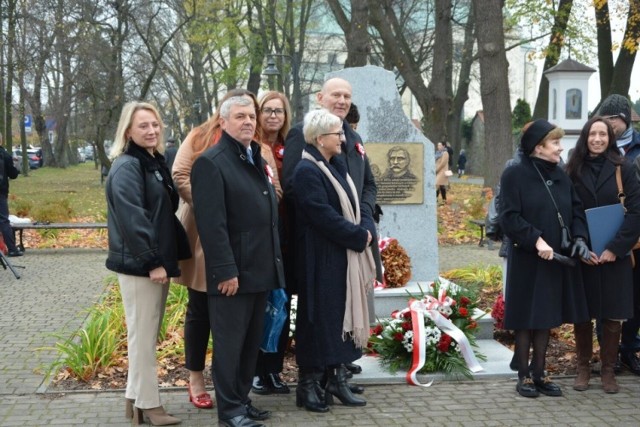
{"x":7,"y":171}
{"x":236,"y":213}
{"x":358,"y":168}
{"x":144,"y":232}
{"x":462,"y":161}
{"x":632,"y":151}
{"x":540,"y":294}
{"x":322,"y":238}
{"x":609,"y":287}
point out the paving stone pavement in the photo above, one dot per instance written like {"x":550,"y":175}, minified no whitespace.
{"x":57,"y":286}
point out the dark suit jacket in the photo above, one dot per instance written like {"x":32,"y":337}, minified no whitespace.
{"x":236,"y":213}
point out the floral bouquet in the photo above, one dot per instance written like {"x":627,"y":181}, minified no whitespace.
{"x":435,"y":334}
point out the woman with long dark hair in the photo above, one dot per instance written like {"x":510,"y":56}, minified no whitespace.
{"x":595,"y":167}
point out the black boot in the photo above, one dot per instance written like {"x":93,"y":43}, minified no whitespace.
{"x":337,"y":386}
{"x":307,"y":392}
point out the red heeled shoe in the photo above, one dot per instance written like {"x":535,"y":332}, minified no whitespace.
{"x":201,"y":401}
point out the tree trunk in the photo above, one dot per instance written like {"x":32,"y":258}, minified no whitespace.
{"x":8,"y":95}
{"x":556,"y":41}
{"x":440,"y":92}
{"x":454,"y":122}
{"x":358,"y":44}
{"x":621,"y":78}
{"x":494,"y":87}
{"x":603,"y":36}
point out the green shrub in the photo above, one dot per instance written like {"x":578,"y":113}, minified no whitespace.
{"x":21,"y":207}
{"x":102,"y":341}
{"x":53,"y":211}
{"x":485,"y":277}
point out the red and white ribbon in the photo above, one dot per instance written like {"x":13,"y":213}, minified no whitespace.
{"x":429,"y":307}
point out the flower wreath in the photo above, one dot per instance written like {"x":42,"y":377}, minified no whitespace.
{"x":395,"y":262}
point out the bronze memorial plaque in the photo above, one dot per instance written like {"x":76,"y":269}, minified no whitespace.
{"x":399,"y":172}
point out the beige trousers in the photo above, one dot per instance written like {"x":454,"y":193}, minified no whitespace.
{"x":144,"y":305}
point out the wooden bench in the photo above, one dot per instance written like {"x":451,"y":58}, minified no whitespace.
{"x":20,"y":227}
{"x":480,"y":223}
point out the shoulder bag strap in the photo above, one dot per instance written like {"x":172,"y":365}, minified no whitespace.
{"x":560,"y":220}
{"x":621,"y":195}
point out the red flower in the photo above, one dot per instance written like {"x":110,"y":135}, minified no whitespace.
{"x":498,"y":312}
{"x":407,"y":315}
{"x":398,"y":336}
{"x":407,"y":326}
{"x":445,"y":343}
{"x":377,"y":330}
{"x":463,"y":312}
{"x":279,"y":150}
{"x":464,"y":301}
{"x":360,"y":149}
{"x":394,"y":313}
{"x":472,"y":325}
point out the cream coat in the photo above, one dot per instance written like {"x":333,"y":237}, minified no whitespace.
{"x":442,"y":165}
{"x":193,"y":272}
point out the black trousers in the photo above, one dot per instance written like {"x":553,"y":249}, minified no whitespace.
{"x":196,"y":330}
{"x":236,"y":324}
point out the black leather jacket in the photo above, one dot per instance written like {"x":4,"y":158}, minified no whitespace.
{"x":144,"y":232}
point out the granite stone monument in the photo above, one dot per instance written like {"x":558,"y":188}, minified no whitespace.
{"x":410,"y":215}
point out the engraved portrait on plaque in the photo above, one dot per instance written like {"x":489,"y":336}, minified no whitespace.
{"x":399,"y":172}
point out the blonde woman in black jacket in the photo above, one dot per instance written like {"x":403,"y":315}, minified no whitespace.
{"x":145,"y":243}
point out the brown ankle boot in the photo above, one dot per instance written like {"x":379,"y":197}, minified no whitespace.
{"x":157,"y":417}
{"x":583,"y":333}
{"x":608,"y":354}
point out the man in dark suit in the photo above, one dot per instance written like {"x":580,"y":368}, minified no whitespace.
{"x":335,"y":96}
{"x":7,"y":171}
{"x":236,"y":213}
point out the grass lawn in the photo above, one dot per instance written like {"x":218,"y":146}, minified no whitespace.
{"x":76,"y":189}
{"x":73,"y":194}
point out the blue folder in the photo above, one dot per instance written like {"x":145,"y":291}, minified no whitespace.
{"x":604,"y":223}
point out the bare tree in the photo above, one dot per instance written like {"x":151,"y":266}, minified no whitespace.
{"x":616,"y":79}
{"x":494,"y":87}
{"x":356,"y":30}
{"x":552,"y":54}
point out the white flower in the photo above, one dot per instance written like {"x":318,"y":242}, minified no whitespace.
{"x":407,"y":341}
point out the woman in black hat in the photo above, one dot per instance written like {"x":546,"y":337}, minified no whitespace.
{"x":536,"y":199}
{"x":595,"y":168}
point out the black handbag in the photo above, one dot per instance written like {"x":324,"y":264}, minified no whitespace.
{"x":565,"y":234}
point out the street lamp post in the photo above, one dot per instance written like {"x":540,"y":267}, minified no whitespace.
{"x":196,"y":112}
{"x":271,"y":71}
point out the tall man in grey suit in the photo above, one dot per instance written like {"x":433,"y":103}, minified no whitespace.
{"x":335,"y":96}
{"x":236,"y":213}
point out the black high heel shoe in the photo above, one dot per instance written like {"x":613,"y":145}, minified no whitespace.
{"x":337,"y":386}
{"x":307,"y":393}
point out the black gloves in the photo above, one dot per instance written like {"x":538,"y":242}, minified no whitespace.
{"x":580,"y":249}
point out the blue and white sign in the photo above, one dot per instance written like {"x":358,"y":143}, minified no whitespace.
{"x":27,"y":123}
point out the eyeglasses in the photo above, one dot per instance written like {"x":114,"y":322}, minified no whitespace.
{"x":340,"y":134}
{"x":270,"y":111}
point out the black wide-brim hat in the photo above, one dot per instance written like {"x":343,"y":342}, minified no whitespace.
{"x":534,"y":135}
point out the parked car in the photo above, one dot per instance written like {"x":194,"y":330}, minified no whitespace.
{"x":88,"y":152}
{"x":17,"y":160}
{"x":32,"y":156}
{"x":81,"y":157}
